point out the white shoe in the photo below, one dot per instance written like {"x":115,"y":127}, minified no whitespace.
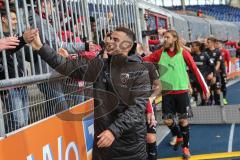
{"x":173,"y":141}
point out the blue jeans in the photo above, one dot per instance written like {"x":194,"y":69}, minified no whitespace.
{"x":17,"y":105}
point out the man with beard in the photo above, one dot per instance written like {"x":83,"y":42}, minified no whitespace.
{"x":173,"y":61}
{"x":121,"y":91}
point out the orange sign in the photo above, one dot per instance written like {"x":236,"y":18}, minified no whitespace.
{"x":65,"y":136}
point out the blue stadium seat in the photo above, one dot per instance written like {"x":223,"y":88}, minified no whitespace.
{"x":220,"y":12}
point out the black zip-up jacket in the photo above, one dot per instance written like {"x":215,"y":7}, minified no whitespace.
{"x":121,"y":88}
{"x":204,"y":64}
{"x":10,"y":61}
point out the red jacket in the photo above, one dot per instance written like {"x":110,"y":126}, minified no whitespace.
{"x":153,"y":42}
{"x":233,"y":43}
{"x":227,"y":57}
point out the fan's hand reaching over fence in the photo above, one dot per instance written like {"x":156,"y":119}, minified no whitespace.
{"x":36,"y":43}
{"x":9,"y":43}
{"x":29,"y":35}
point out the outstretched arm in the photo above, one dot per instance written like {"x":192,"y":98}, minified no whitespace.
{"x":82,"y":68}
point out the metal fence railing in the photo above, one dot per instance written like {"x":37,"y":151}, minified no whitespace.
{"x":62,"y":24}
{"x":29,"y":89}
{"x":29,"y":103}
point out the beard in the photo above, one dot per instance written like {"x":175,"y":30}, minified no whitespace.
{"x":110,"y":48}
{"x":167,"y":46}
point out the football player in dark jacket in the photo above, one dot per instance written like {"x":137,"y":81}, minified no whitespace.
{"x":121,"y":91}
{"x":205,"y":66}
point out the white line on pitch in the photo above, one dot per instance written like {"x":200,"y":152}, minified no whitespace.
{"x":230,"y":142}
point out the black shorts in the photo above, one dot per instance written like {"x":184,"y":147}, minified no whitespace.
{"x":217,"y":85}
{"x":223,"y":78}
{"x":176,"y":105}
{"x":152,"y":129}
